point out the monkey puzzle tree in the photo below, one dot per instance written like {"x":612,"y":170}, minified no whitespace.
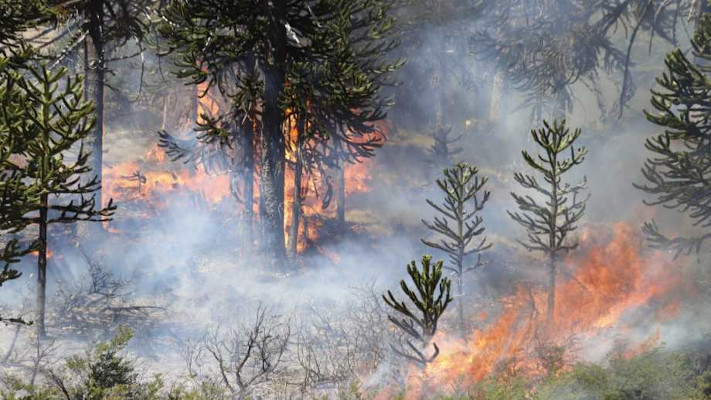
{"x":459,"y":225}
{"x":434,"y":41}
{"x":214,"y":48}
{"x":430,"y":297}
{"x":553,"y":214}
{"x":545,"y":47}
{"x":679,"y":172}
{"x":54,"y":119}
{"x":17,"y":197}
{"x":326,"y":36}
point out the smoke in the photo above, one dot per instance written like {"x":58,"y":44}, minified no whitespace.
{"x":188,"y":257}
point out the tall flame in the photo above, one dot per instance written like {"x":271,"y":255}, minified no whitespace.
{"x":597,"y":291}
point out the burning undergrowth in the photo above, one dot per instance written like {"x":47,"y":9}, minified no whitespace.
{"x":614,"y":293}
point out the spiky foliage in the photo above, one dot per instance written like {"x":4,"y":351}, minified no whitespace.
{"x":678,"y":173}
{"x":335,"y":64}
{"x":54,"y":119}
{"x":17,"y":197}
{"x":547,"y":46}
{"x":553,"y":215}
{"x":430,"y":298}
{"x":18,"y":16}
{"x":459,"y":225}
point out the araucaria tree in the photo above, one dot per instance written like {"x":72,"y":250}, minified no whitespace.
{"x":267,"y":47}
{"x":17,"y":197}
{"x":679,"y":172}
{"x":459,"y":225}
{"x":551,"y":216}
{"x":54,"y":119}
{"x":430,"y":297}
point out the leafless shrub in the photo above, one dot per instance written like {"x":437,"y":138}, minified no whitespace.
{"x":337,"y":347}
{"x":245,"y":360}
{"x":100,"y":304}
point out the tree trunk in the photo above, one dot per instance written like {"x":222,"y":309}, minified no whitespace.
{"x":550,"y":310}
{"x":341,"y":203}
{"x":272,"y":169}
{"x":42,"y":267}
{"x":561,"y":101}
{"x":247,"y":145}
{"x":95,"y":82}
{"x":460,"y":307}
{"x":296,"y":204}
{"x":271,"y":183}
{"x":498,"y":97}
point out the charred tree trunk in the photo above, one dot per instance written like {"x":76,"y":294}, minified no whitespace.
{"x":95,"y":56}
{"x":296,"y":204}
{"x":247,"y":145}
{"x":272,"y":168}
{"x":341,"y":203}
{"x":42,"y":267}
{"x":272,"y":141}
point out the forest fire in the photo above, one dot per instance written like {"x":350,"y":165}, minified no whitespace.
{"x":316,"y":191}
{"x":128,"y":182}
{"x":350,"y":200}
{"x":609,"y":281}
{"x":153,"y":177}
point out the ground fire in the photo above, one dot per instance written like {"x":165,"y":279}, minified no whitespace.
{"x":361,"y":199}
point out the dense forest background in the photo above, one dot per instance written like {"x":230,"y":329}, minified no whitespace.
{"x":220,"y":199}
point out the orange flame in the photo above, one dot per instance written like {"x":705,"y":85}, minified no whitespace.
{"x":609,"y":281}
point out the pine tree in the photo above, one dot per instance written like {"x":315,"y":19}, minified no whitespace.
{"x":550,"y":219}
{"x":459,"y":225}
{"x":54,"y":119}
{"x":679,"y":171}
{"x":430,"y":297}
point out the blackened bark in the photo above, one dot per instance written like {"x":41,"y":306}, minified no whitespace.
{"x":247,"y":146}
{"x":95,"y":82}
{"x":296,"y":205}
{"x":271,"y":182}
{"x":341,"y":203}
